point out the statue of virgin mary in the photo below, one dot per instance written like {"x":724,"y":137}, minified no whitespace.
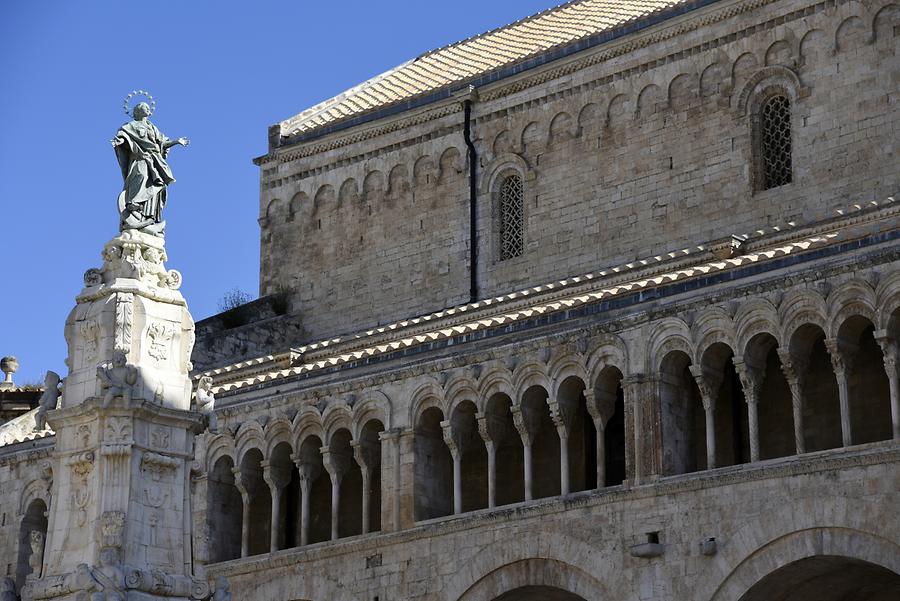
{"x":142,"y":150}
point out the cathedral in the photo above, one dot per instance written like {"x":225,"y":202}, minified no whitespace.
{"x":603,"y":304}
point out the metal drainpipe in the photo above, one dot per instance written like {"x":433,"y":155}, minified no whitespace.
{"x":473,"y":193}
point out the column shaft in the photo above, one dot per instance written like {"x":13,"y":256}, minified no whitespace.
{"x":753,"y":427}
{"x":526,"y":452}
{"x":366,"y":504}
{"x":457,"y":483}
{"x":304,"y":511}
{"x":335,"y":504}
{"x":601,"y":453}
{"x":710,"y":437}
{"x":277,"y":531}
{"x":563,"y":462}
{"x":492,"y":475}
{"x":245,"y":528}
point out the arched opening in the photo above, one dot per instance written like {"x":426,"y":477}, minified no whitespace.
{"x":682,"y":416}
{"x":510,"y":461}
{"x":369,"y":450}
{"x":582,"y":435}
{"x":318,"y":484}
{"x":473,"y":456}
{"x":349,"y":509}
{"x":869,"y":389}
{"x":538,"y":593}
{"x":224,"y":512}
{"x":827,"y":578}
{"x":775,"y":405}
{"x":730,"y":407}
{"x":34,"y":521}
{"x":821,"y":403}
{"x":545,"y":474}
{"x":285,"y":478}
{"x":260,"y":498}
{"x":433,"y":468}
{"x":609,"y":399}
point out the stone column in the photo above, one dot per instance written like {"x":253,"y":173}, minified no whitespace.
{"x":890,"y":346}
{"x":307,"y":473}
{"x":277,"y":482}
{"x":708,"y":382}
{"x":456,"y":453}
{"x":390,"y":456}
{"x":246,"y":499}
{"x":519,"y":419}
{"x":600,"y":406}
{"x":751,"y":378}
{"x":485,"y":431}
{"x":562,"y":420}
{"x":794,"y":370}
{"x":336,"y":465}
{"x":843,"y":356}
{"x":367,"y":459}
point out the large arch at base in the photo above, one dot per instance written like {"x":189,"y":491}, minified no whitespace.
{"x":535,"y":580}
{"x":788,"y":566}
{"x":827,"y":578}
{"x":538,"y":593}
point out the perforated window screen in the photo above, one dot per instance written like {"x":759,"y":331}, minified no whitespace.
{"x":512,"y":218}
{"x":776,"y":142}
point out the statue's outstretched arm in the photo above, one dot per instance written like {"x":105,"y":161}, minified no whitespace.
{"x":170,"y":143}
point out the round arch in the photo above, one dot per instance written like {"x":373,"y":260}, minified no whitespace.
{"x":532,"y":580}
{"x":850,"y":546}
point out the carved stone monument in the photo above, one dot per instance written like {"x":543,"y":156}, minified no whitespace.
{"x":120,"y":524}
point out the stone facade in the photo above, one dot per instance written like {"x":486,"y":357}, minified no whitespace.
{"x":668,"y":378}
{"x":659,"y":125}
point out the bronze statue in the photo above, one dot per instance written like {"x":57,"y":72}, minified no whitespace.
{"x":142,"y":151}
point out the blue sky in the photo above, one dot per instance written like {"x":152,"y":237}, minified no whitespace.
{"x":221,"y":72}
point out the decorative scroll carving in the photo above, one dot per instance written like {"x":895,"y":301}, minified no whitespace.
{"x":124,"y":319}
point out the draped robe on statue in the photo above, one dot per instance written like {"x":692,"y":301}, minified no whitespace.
{"x":141,"y":151}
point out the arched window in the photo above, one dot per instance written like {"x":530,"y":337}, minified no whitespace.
{"x":512,"y":217}
{"x":775,"y":142}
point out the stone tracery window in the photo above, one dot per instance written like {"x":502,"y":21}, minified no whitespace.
{"x":511,"y":201}
{"x":775,"y":142}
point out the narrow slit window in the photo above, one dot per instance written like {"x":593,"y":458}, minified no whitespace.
{"x":776,"y":142}
{"x":512,"y":218}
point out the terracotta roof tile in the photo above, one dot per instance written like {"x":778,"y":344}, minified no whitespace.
{"x":476,"y":56}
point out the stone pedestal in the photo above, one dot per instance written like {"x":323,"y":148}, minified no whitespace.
{"x":131,"y":305}
{"x":120,"y":519}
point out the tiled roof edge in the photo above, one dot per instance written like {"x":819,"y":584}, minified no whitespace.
{"x":498,"y":74}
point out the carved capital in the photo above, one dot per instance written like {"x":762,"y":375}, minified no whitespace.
{"x":276,"y":477}
{"x":307,"y":470}
{"x":751,"y":379}
{"x":890,"y":348}
{"x":708,"y":383}
{"x":843,"y":356}
{"x":519,"y":421}
{"x":450,"y":439}
{"x":335,"y":464}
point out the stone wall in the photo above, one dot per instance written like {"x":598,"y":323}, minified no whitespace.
{"x":25,"y":479}
{"x":585,"y":544}
{"x":261,"y":327}
{"x":627,"y":151}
